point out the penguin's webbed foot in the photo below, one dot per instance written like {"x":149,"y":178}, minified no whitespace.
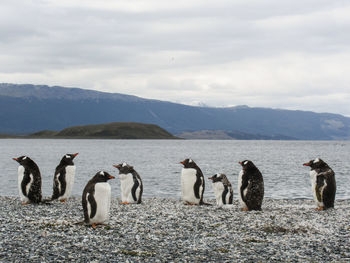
{"x":94,"y":226}
{"x":124,"y":203}
{"x":245,"y":209}
{"x":25,"y":203}
{"x":63,"y":200}
{"x":320,"y":208}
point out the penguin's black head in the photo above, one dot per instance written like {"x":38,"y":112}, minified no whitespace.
{"x":189,"y":163}
{"x":317,"y":163}
{"x":102,"y":176}
{"x":247,"y":165}
{"x":217,"y":178}
{"x":124,"y":168}
{"x":68,"y":158}
{"x":23,"y":160}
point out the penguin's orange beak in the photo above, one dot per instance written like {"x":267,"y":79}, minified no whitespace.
{"x":241,"y":163}
{"x":183,"y":162}
{"x":307,"y":164}
{"x":116,"y":166}
{"x":111,"y":177}
{"x":211,"y":178}
{"x":75,"y":154}
{"x":16,"y":159}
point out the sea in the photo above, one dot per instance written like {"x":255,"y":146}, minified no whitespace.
{"x":158,"y":163}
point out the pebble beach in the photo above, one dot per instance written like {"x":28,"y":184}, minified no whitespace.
{"x":165,"y":230}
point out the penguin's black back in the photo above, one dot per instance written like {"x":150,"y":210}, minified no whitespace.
{"x":252,"y":178}
{"x":31,"y":168}
{"x":328,"y":196}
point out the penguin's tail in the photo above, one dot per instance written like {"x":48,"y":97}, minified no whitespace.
{"x":204,"y":203}
{"x":46,"y":201}
{"x":80,"y":223}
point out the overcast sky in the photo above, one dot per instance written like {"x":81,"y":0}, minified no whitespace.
{"x":272,"y":53}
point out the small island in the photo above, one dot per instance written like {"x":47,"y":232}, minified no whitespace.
{"x":114,"y":130}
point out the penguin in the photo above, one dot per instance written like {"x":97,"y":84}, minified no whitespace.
{"x":222,"y":189}
{"x":130,"y":184}
{"x":29,"y":180}
{"x":64,"y":178}
{"x":192,"y":183}
{"x":96,"y":199}
{"x":250,"y":186}
{"x":323,"y":183}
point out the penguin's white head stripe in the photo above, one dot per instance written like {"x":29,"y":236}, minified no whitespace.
{"x":245,"y":163}
{"x":316,"y":160}
{"x":124,"y":164}
{"x":190,"y":161}
{"x":102,"y":173}
{"x":25,"y":157}
{"x":67,"y":156}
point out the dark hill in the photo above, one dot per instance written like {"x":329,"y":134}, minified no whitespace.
{"x":115,"y":130}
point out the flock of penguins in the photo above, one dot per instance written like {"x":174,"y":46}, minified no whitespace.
{"x":96,"y":198}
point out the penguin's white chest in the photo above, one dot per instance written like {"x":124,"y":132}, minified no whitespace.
{"x":103,"y":203}
{"x":126,"y":184}
{"x":188,"y":179}
{"x":313,"y":178}
{"x":70,"y":174}
{"x":218,"y":188}
{"x":23,"y":196}
{"x":240,"y":182}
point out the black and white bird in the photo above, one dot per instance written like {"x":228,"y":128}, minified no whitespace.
{"x":322,"y":183}
{"x":192,"y":183}
{"x":96,"y":199}
{"x":222,"y":189}
{"x":63,"y":180}
{"x":250,"y":186}
{"x":131,"y":186}
{"x":29,"y":180}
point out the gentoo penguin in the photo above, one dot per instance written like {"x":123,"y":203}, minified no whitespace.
{"x":250,"y":186}
{"x":323,"y":183}
{"x":29,"y":180}
{"x":96,"y":199}
{"x":64,"y":178}
{"x":130,"y":184}
{"x":222,"y":189}
{"x":192,"y":183}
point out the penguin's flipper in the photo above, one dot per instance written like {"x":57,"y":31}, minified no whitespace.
{"x":34,"y":193}
{"x":92,"y":202}
{"x":224,"y":193}
{"x":330,"y":191}
{"x":134,"y":188}
{"x":85,"y":209}
{"x":56,"y":187}
{"x":62,"y":179}
{"x":230,"y":201}
{"x":25,"y":181}
{"x":320,"y":184}
{"x":254,"y":195}
{"x":245,"y":183}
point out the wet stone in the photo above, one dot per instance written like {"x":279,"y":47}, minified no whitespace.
{"x":163,"y":230}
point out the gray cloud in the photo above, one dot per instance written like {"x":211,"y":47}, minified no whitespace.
{"x":262,"y":53}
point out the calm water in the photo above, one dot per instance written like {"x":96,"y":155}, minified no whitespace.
{"x":157,"y":161}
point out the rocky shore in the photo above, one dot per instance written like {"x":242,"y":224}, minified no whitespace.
{"x":165,"y":230}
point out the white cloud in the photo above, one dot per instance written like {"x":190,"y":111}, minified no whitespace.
{"x":262,"y":53}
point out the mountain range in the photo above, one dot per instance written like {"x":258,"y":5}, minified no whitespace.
{"x":26,"y":108}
